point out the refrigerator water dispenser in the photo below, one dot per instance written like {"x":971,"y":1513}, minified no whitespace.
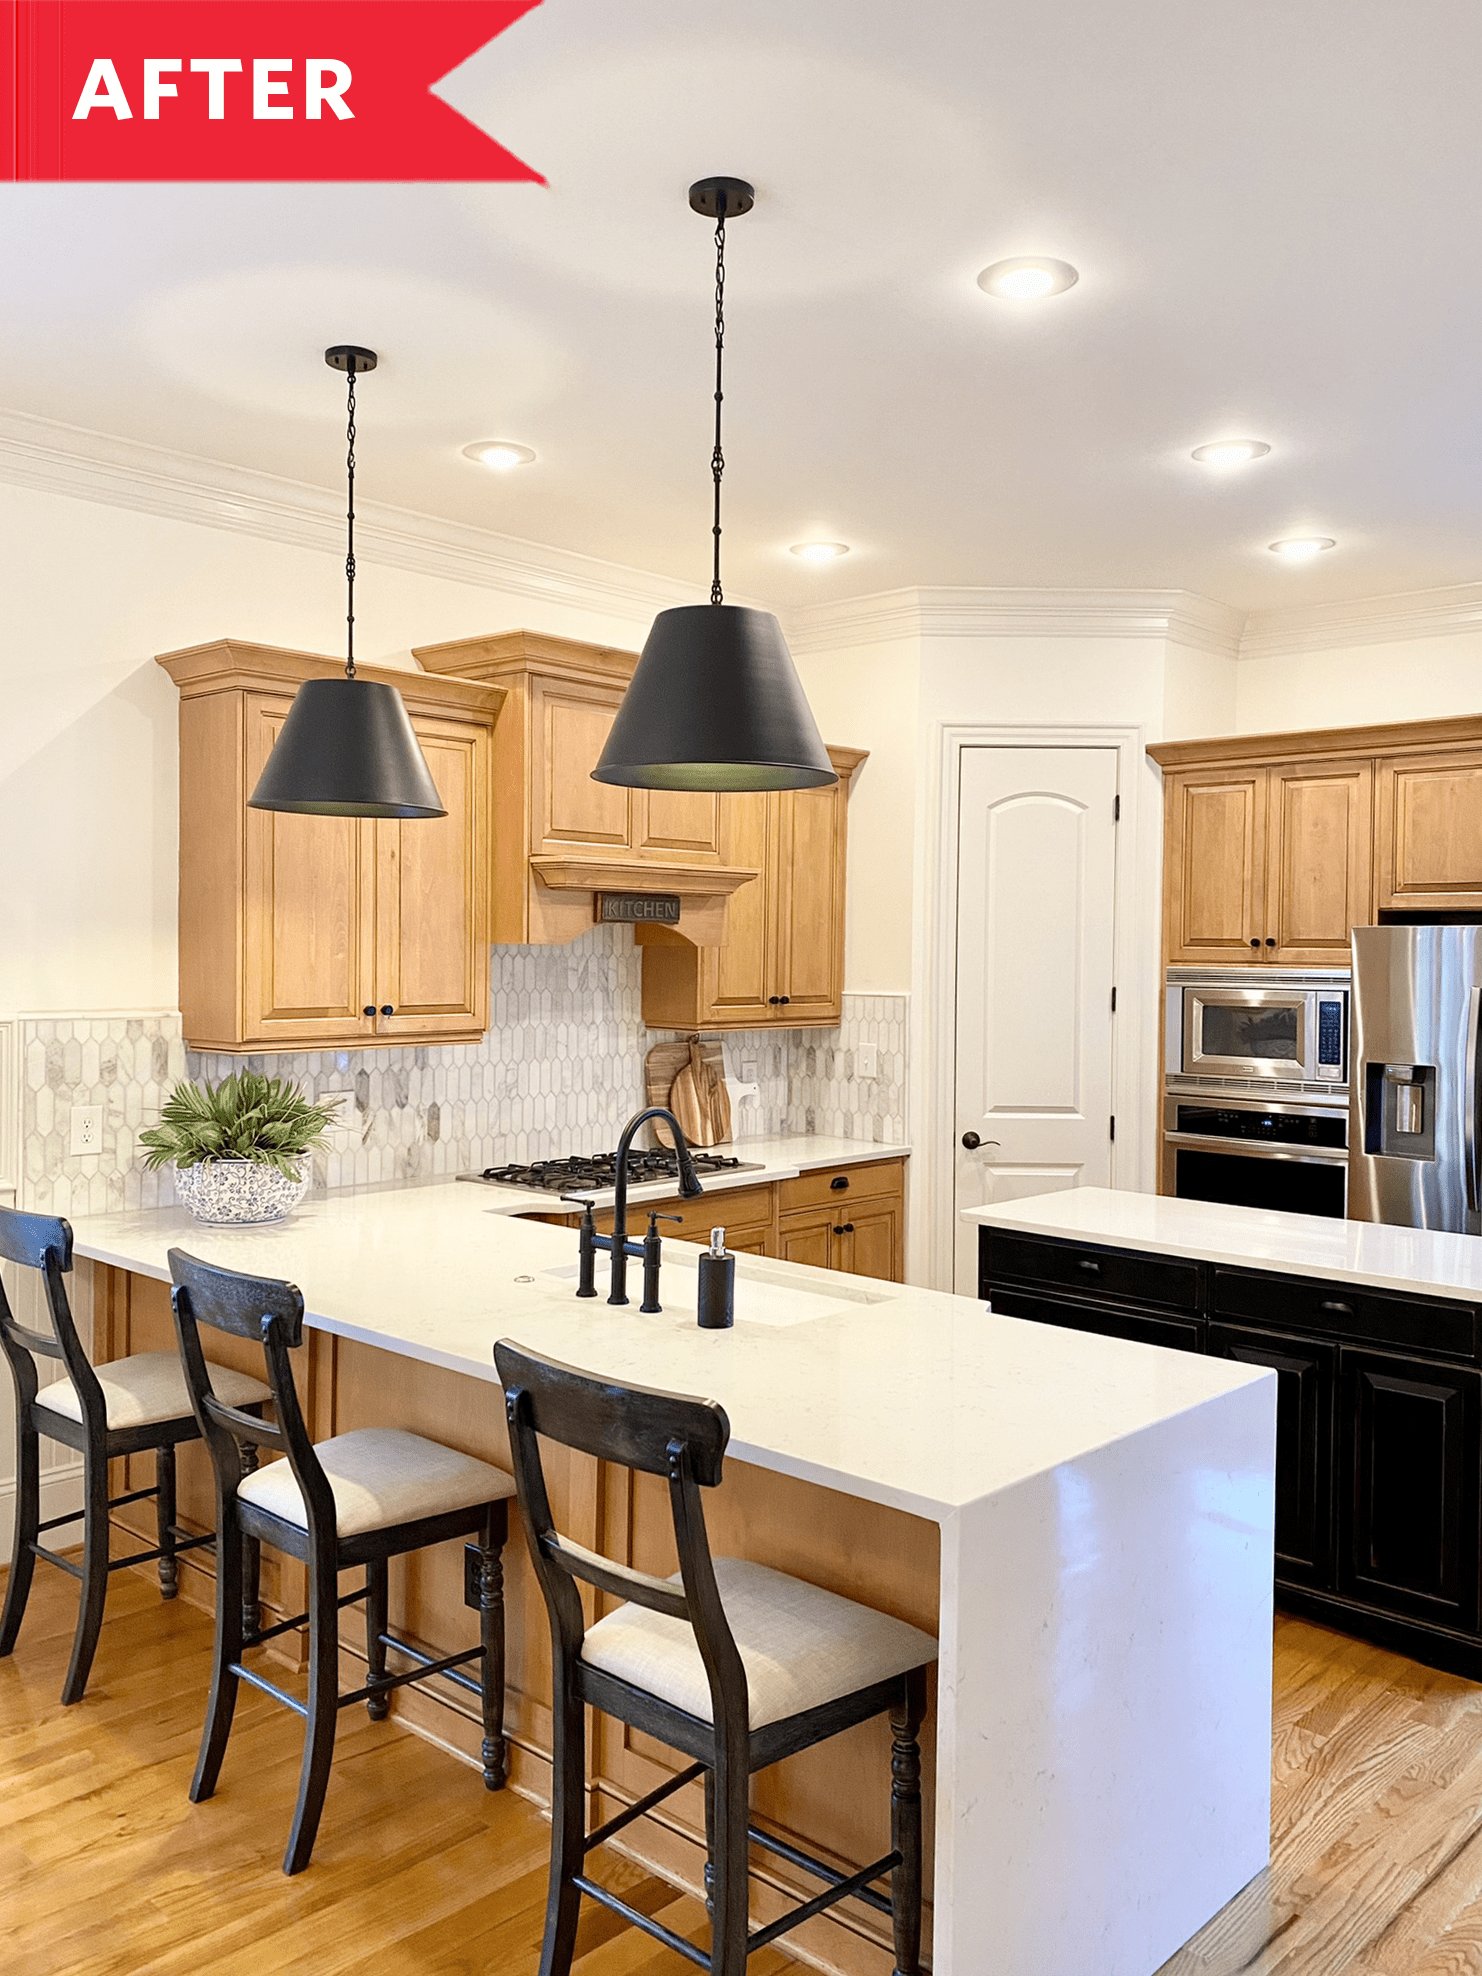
{"x":1400,"y":1113}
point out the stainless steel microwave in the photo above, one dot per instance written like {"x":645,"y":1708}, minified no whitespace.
{"x":1283,"y":1026}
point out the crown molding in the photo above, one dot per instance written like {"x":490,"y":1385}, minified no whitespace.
{"x":54,"y":458}
{"x":1363,"y":621}
{"x":1179,"y":616}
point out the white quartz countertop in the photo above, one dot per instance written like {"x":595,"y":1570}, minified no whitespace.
{"x":903,"y":1396}
{"x":1421,"y":1261}
{"x":782,"y":1156}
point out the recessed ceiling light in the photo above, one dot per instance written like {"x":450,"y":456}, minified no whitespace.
{"x":1028,"y":278}
{"x":500,"y":454}
{"x":1231,"y":452}
{"x":820,"y":552}
{"x":1302,"y":548}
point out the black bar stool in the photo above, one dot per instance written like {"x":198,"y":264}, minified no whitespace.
{"x":124,"y":1407}
{"x":357,"y":1499}
{"x":735,"y":1665}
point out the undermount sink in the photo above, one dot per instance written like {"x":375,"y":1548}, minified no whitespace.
{"x":763,"y":1294}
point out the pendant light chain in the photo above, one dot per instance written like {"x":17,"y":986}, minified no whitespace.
{"x":718,"y":458}
{"x":350,"y":527}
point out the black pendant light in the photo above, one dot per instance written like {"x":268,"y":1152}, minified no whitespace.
{"x":715,"y":702}
{"x":347,"y":747}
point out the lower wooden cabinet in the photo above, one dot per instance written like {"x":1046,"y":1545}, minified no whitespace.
{"x":1306,"y":1371}
{"x":1378,"y":1422}
{"x":1409,"y":1509}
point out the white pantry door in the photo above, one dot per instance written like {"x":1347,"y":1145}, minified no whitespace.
{"x":1036,"y":872}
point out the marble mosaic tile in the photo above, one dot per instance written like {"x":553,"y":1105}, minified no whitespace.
{"x":559,"y":1071}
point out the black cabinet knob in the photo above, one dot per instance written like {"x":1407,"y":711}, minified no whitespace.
{"x":1269,"y":941}
{"x":386,"y":1009}
{"x":839,"y":1182}
{"x":369,"y":1009}
{"x":1255,"y":943}
{"x":774,"y":1001}
{"x":843,"y":1227}
{"x":785,"y":999}
{"x":971,"y":1141}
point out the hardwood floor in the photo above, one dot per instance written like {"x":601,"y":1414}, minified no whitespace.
{"x":108,"y":1870}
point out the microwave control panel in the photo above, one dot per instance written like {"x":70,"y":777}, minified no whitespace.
{"x":1330,"y":1039}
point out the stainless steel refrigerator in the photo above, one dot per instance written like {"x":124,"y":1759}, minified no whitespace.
{"x":1413,"y":1064}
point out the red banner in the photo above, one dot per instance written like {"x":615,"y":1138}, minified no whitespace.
{"x":213,"y":90}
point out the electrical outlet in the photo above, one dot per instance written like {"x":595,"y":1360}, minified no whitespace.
{"x":867,"y":1060}
{"x":87,"y":1129}
{"x":749,"y":1071}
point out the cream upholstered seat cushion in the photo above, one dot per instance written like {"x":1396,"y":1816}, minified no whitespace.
{"x":150,"y":1387}
{"x":380,"y":1476}
{"x":800,"y":1646}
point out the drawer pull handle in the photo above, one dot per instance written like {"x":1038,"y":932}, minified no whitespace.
{"x":839,"y":1182}
{"x":1338,"y":1310}
{"x":1091,"y":1268}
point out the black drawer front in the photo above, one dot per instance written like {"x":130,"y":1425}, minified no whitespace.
{"x":1180,"y":1334}
{"x":1416,"y":1323}
{"x":1122,"y":1273}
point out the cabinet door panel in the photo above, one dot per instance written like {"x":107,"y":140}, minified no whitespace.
{"x":806,"y":1238}
{"x":1305,"y":1375}
{"x":309,"y":908}
{"x":1429,"y":839}
{"x":571,"y":725}
{"x":678,"y":824}
{"x":810,"y":903}
{"x":1319,"y":869}
{"x":1215,"y":876}
{"x":1408,"y":1538}
{"x":871,"y":1247}
{"x":432,"y":942}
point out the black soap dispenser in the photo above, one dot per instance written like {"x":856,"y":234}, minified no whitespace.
{"x":717,"y":1310}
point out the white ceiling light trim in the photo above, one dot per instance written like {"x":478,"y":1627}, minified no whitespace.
{"x":820,"y":552}
{"x":56,"y":458}
{"x":499,"y":455}
{"x":1230,"y":452}
{"x":1301,"y":548}
{"x":1028,"y":278}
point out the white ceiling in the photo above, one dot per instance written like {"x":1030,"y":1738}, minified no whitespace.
{"x":1272,"y":205}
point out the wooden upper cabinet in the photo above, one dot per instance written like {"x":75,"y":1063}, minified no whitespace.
{"x":1429,"y":837}
{"x":291,"y":927}
{"x":782,"y":963}
{"x":559,"y":836}
{"x":1319,"y":866}
{"x":1215,"y":864}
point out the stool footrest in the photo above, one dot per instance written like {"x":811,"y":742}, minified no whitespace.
{"x":427,"y":1665}
{"x":700,"y":1958}
{"x":266,"y":1687}
{"x":842,"y":1889}
{"x":614,"y":1825}
{"x":62,"y":1563}
{"x":299,"y":1619}
{"x":134,"y":1496}
{"x":55,"y":1522}
{"x":817,"y":1868}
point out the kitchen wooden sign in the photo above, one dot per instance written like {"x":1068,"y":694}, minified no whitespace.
{"x":628,"y":908}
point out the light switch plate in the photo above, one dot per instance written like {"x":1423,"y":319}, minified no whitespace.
{"x":867,"y":1060}
{"x":87,"y":1130}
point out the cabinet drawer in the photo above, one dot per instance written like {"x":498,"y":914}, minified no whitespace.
{"x":1423,"y":1324}
{"x":1180,"y":1334}
{"x":1122,"y":1273}
{"x":731,"y":1207}
{"x":820,"y":1189}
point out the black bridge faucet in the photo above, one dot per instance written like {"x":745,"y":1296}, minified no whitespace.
{"x":617,"y":1241}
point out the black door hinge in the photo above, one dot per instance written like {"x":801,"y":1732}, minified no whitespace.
{"x":1116,"y":809}
{"x":1114,"y":1001}
{"x":1113,"y":1126}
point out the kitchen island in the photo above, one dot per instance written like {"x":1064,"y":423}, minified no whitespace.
{"x":1086,"y":1525}
{"x":1375,"y":1335}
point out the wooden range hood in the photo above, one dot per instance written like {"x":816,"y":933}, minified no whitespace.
{"x":559,"y":837}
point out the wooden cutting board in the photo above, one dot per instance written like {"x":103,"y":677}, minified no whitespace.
{"x":689,"y":1077}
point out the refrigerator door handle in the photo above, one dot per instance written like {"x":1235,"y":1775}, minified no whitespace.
{"x":1469,"y":1099}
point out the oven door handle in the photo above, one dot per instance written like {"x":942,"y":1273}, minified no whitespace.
{"x":1257,"y":1149}
{"x":1469,"y":1099}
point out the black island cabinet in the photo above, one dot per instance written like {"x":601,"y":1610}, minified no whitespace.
{"x":1378,"y":1421}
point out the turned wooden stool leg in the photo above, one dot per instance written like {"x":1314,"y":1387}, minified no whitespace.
{"x":491,"y":1635}
{"x":905,"y":1823}
{"x":377,"y":1619}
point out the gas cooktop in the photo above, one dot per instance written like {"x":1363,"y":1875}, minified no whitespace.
{"x":592,"y":1173}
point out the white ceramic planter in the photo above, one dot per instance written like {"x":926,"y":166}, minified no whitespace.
{"x":241,"y":1191}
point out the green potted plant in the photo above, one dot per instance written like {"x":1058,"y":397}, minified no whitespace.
{"x":241,"y":1148}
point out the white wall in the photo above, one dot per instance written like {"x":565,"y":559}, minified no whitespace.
{"x":1409,"y":679}
{"x":88,"y":743}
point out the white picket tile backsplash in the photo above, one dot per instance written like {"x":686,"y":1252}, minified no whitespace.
{"x":559,"y":1071}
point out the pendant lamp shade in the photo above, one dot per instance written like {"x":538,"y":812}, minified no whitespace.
{"x":715,"y":703}
{"x":347,"y":749}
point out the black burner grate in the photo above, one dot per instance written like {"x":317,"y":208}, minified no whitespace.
{"x":584,"y":1174}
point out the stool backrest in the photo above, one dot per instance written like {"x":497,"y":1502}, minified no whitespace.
{"x":271,"y":1313}
{"x":637,"y":1427}
{"x":43,"y":1242}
